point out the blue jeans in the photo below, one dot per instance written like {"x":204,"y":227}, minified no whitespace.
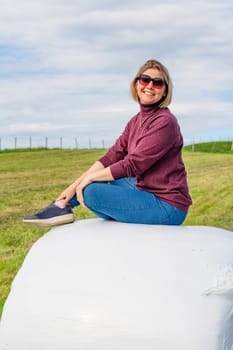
{"x":120,"y":200}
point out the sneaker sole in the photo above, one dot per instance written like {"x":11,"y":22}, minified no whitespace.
{"x":58,"y":220}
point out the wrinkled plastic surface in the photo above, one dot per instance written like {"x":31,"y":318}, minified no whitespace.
{"x":104,"y":285}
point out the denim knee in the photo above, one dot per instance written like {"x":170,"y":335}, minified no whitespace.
{"x":89,"y":194}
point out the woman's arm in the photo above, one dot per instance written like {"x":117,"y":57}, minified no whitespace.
{"x":100,"y":170}
{"x":96,"y":172}
{"x":94,"y":176}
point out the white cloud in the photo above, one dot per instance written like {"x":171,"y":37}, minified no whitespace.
{"x":68,"y":65}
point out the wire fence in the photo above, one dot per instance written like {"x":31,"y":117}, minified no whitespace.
{"x":216,"y":146}
{"x":30,"y":142}
{"x":33,"y":142}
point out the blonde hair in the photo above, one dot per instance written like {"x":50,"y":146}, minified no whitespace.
{"x":165,"y":75}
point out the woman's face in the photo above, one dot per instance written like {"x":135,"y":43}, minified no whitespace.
{"x":150,"y":93}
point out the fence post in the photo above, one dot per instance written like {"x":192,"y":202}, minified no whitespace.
{"x":76,"y":143}
{"x":213,"y":146}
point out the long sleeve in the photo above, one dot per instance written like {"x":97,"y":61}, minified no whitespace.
{"x":150,"y":150}
{"x":152,"y":144}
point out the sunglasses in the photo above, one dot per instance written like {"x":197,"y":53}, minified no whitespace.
{"x":144,"y":80}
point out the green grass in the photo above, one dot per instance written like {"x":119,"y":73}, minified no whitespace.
{"x":29,"y":180}
{"x":210,"y":178}
{"x":216,"y":147}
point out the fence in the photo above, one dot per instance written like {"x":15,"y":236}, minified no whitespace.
{"x":217,"y":146}
{"x":29,"y":142}
{"x":13,"y":143}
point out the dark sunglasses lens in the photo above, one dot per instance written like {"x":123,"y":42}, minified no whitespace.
{"x":158,"y":82}
{"x":145,"y":80}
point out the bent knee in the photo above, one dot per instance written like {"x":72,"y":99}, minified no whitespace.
{"x":91,"y":194}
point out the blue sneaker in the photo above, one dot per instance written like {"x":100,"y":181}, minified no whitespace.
{"x":51,"y":216}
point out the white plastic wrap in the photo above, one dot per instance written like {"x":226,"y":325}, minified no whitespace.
{"x":104,"y":285}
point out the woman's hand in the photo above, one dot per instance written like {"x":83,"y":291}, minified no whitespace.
{"x":76,"y":187}
{"x":70,"y":191}
{"x":67,"y":194}
{"x":97,"y":173}
{"x":80,"y":187}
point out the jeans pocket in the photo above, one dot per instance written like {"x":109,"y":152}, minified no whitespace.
{"x":172,"y":215}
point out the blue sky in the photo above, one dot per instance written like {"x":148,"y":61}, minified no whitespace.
{"x":66,"y":67}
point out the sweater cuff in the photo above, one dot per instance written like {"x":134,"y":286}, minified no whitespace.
{"x":117,"y":171}
{"x":105,"y":161}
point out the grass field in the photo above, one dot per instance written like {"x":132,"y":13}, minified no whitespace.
{"x":216,"y":147}
{"x":29,"y":180}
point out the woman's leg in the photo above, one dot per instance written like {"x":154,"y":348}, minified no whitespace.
{"x":120,"y":200}
{"x":123,"y":183}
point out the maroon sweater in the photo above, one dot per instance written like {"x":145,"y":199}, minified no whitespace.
{"x":150,"y":150}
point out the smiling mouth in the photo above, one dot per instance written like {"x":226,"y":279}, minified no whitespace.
{"x":149,"y":93}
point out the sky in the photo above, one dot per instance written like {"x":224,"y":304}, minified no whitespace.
{"x":66,"y":68}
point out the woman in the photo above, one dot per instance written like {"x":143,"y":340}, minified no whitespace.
{"x":141,"y":178}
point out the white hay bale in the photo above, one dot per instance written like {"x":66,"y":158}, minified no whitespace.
{"x":104,"y":285}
